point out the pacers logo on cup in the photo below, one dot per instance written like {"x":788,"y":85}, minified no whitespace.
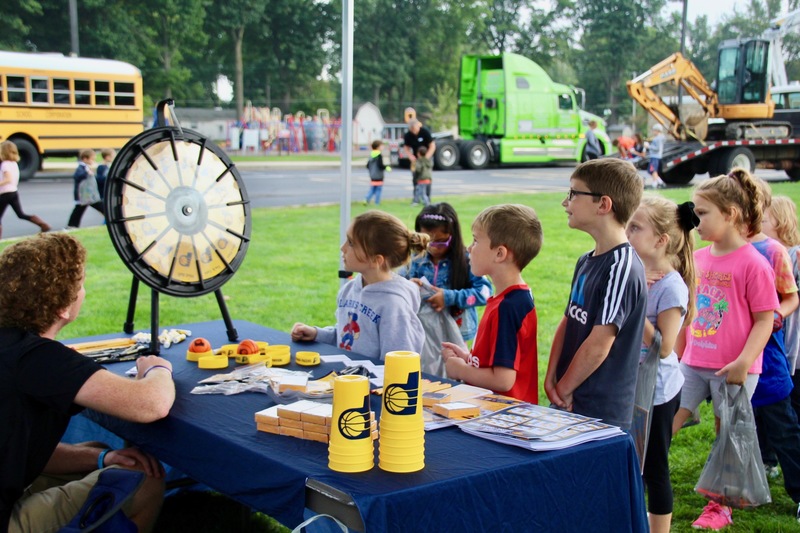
{"x":401,"y":398}
{"x":354,"y":423}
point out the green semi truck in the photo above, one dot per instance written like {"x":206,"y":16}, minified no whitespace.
{"x":511,"y":112}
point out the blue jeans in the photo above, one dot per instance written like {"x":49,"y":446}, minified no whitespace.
{"x":421,"y":194}
{"x":778,"y":422}
{"x":375,"y":190}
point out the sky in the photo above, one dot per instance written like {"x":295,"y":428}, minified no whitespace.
{"x":713,"y":9}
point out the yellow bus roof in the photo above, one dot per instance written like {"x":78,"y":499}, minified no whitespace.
{"x":51,"y":61}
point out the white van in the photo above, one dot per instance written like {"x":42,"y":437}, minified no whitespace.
{"x":787,"y":105}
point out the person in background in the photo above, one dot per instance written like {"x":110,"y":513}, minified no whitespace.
{"x":417,"y":136}
{"x":9,"y":186}
{"x":86,"y":192}
{"x":423,"y":176}
{"x":624,"y":145}
{"x":376,"y":310}
{"x":736,"y":300}
{"x":656,"y":152}
{"x":776,"y":421}
{"x":44,"y":383}
{"x":661,"y":234}
{"x":102,"y":170}
{"x":505,"y":239}
{"x":592,"y":149}
{"x":376,"y":169}
{"x":780,"y":223}
{"x":594,"y":357}
{"x":446,"y":266}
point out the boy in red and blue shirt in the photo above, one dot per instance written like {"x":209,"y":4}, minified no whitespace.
{"x":506,"y":238}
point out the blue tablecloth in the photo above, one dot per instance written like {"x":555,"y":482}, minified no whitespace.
{"x":468,"y":483}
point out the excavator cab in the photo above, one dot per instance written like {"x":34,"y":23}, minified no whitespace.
{"x":742,"y":75}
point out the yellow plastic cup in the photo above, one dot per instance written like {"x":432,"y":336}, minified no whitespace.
{"x":399,"y":467}
{"x":401,"y":387}
{"x":351,"y":448}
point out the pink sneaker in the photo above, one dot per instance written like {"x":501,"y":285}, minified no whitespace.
{"x":714,"y":517}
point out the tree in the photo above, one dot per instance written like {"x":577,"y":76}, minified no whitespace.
{"x":232,"y":17}
{"x":18,"y":18}
{"x":612,"y":31}
{"x":290,"y":47}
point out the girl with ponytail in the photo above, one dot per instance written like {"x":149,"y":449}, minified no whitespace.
{"x":661,"y":234}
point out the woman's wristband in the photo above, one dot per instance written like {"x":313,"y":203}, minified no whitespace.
{"x":101,"y":459}
{"x":154,"y":367}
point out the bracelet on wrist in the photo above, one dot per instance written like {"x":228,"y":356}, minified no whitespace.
{"x":101,"y":459}
{"x":154,"y":367}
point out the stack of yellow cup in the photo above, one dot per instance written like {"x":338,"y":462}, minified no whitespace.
{"x":350,"y":448}
{"x":402,"y":428}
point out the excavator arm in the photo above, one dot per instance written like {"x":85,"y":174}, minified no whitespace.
{"x":679,"y":71}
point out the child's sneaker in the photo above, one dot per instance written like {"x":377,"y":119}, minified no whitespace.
{"x":693,"y":420}
{"x":714,"y":517}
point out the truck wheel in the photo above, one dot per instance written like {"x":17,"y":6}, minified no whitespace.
{"x":735,"y":157}
{"x":794,"y":174}
{"x":679,"y":176}
{"x":446,"y":155}
{"x":29,"y":159}
{"x":475,"y":155}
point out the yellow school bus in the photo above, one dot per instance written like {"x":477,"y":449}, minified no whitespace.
{"x":54,"y":105}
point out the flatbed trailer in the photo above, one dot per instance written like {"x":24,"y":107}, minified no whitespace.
{"x":681,"y":161}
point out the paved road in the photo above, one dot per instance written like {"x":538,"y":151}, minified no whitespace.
{"x":49,"y":195}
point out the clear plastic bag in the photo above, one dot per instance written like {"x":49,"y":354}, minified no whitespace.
{"x":644,"y":396}
{"x":734,"y":474}
{"x":439,"y":327}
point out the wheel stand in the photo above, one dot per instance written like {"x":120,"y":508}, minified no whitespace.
{"x":155,"y":347}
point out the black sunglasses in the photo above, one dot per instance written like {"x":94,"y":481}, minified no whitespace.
{"x":573,"y":193}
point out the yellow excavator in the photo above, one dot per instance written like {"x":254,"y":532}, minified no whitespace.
{"x":741,"y":98}
{"x":733,"y":123}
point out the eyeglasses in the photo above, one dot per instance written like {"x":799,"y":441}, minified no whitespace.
{"x":573,"y":193}
{"x":441,"y":244}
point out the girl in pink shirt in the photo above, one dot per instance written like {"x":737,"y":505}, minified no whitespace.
{"x":735,"y":297}
{"x":9,"y":181}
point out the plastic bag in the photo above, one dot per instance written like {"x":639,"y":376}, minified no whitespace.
{"x":644,"y":396}
{"x":439,"y":327}
{"x":88,"y":192}
{"x":734,"y":474}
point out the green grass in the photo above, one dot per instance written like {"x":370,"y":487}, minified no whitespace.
{"x":290,"y":275}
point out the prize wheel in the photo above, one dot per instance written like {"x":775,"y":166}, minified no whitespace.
{"x":177,"y":211}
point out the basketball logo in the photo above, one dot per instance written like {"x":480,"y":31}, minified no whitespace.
{"x":401,"y":399}
{"x":354,"y":423}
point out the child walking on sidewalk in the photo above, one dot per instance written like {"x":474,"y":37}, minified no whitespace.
{"x":9,"y":185}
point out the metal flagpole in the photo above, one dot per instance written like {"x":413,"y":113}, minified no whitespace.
{"x":346,"y":130}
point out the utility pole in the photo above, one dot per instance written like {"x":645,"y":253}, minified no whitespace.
{"x":73,"y":27}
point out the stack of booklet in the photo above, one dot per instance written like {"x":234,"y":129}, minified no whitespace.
{"x":538,"y":428}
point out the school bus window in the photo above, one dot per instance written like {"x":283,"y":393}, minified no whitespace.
{"x":40,"y":91}
{"x":16,"y":89}
{"x":124,"y":94}
{"x":83,"y":92}
{"x":102,"y":96}
{"x":60,"y":91}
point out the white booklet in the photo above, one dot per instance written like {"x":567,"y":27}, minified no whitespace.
{"x":538,"y":428}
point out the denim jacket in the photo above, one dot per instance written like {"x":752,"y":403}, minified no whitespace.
{"x":465,"y":300}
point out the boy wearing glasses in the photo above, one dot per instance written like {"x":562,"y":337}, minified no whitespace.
{"x":505,"y":239}
{"x":594,"y":357}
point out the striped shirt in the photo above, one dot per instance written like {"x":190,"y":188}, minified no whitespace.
{"x":607,"y":289}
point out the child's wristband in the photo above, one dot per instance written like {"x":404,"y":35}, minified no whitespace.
{"x":154,"y":367}
{"x":101,"y":459}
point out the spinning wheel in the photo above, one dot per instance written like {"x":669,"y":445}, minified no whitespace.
{"x":178,"y":215}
